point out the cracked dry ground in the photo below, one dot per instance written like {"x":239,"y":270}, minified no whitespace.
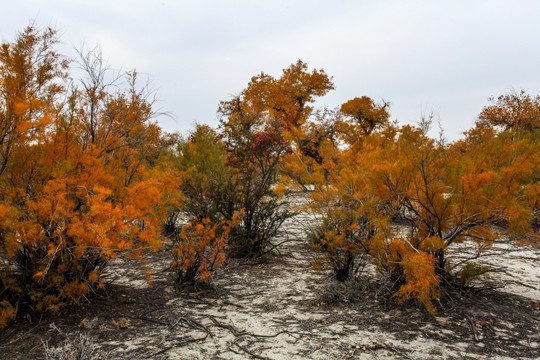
{"x":274,"y":309}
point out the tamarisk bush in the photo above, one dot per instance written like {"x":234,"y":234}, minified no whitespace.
{"x":80,"y":175}
{"x":370,"y":175}
{"x":201,"y":249}
{"x":256,"y":128}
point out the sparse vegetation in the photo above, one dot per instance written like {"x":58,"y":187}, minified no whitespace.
{"x":76,"y":346}
{"x":399,"y":218}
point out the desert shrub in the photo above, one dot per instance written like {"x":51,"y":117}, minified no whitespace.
{"x":254,"y":155}
{"x":413,"y":273}
{"x":469,"y":191}
{"x":216,"y":189}
{"x":255,"y":234}
{"x":348,"y":214}
{"x":209,"y":179}
{"x":172,"y":221}
{"x":80,"y":181}
{"x":220,"y":182}
{"x":77,"y":346}
{"x":257,"y":128}
{"x":367,"y":173}
{"x":471,"y":271}
{"x":201,"y":249}
{"x":7,"y":313}
{"x":341,"y":249}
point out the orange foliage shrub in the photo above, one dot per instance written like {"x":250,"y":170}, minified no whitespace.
{"x":421,"y":282}
{"x":79,"y":191}
{"x":366,"y":172}
{"x":7,"y":313}
{"x":256,"y":129}
{"x":201,"y":249}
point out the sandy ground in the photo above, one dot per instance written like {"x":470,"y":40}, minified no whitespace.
{"x":279,"y":308}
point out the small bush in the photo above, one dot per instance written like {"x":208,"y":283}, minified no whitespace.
{"x":224,"y":177}
{"x":7,"y":313}
{"x":258,"y":227}
{"x":471,"y":271}
{"x":77,"y":346}
{"x":421,"y":281}
{"x":201,"y":249}
{"x":337,"y":249}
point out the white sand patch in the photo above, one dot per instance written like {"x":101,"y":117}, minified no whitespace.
{"x":269,"y":311}
{"x":518,"y":267}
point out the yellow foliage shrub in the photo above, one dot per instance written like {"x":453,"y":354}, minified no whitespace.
{"x":201,"y":249}
{"x":421,"y":281}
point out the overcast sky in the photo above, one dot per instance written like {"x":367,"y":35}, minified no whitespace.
{"x":445,"y":57}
